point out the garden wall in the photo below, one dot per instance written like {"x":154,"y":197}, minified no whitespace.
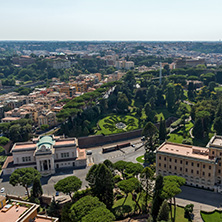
{"x":98,"y":140}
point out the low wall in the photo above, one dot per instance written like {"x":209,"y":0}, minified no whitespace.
{"x":97,"y":140}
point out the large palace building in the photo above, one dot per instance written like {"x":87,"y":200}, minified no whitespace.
{"x":46,"y":154}
{"x":200,"y":166}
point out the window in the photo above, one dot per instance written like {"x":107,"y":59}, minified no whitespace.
{"x":186,"y":162}
{"x":159,"y":164}
{"x":26,"y":159}
{"x":170,"y":166}
{"x":159,"y":157}
{"x":197,"y":171}
{"x":192,"y":164}
{"x":212,"y":152}
{"x":209,"y":167}
{"x":209,"y":174}
{"x":219,"y":171}
{"x":180,"y":168}
{"x":64,"y":155}
{"x":175,"y":160}
{"x":191,"y":171}
{"x":203,"y":173}
{"x":175,"y":167}
{"x":181,"y":162}
{"x":164,"y":165}
{"x":204,"y":166}
{"x":170,"y":159}
{"x":186,"y":170}
{"x":165,"y":158}
{"x":220,"y":154}
{"x":198,"y":165}
{"x":219,"y":164}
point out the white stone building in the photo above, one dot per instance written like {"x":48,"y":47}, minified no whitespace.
{"x":46,"y":154}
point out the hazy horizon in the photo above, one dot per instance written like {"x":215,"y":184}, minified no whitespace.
{"x":125,"y":20}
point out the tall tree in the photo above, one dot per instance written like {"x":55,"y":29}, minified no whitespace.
{"x":36,"y":191}
{"x":157,"y":197}
{"x":68,"y":185}
{"x":146,"y":178}
{"x":101,"y":181}
{"x":170,"y":97}
{"x":24,"y":177}
{"x":171,"y":188}
{"x":162,"y":130}
{"x":163,"y":214}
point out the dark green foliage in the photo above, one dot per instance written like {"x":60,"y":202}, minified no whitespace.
{"x":24,"y":177}
{"x":36,"y":191}
{"x":162,"y":130}
{"x":54,"y":208}
{"x":170,"y":97}
{"x":101,"y":181}
{"x":99,"y":214}
{"x":83,"y":207}
{"x":68,"y":185}
{"x":3,"y":140}
{"x":157,"y":197}
{"x":163,"y":212}
{"x":188,"y":210}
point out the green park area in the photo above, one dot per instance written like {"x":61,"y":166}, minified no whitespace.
{"x":117,"y":124}
{"x":215,"y":216}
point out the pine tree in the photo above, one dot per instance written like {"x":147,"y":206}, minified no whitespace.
{"x":163,"y":212}
{"x":162,"y":130}
{"x":36,"y":188}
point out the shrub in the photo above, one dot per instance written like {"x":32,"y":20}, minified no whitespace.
{"x":187,"y":141}
{"x":176,"y":123}
{"x":4,"y":140}
{"x":116,"y":178}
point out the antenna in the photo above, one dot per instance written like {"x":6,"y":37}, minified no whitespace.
{"x":160,"y":73}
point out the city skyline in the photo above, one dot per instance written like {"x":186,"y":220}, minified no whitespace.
{"x":114,"y":21}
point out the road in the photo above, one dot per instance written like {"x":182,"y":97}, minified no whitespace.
{"x":127,"y":154}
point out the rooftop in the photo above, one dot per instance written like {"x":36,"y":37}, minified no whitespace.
{"x":185,"y":150}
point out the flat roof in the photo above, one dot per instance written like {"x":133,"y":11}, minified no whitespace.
{"x":201,"y":153}
{"x":12,"y":214}
{"x":24,"y":146}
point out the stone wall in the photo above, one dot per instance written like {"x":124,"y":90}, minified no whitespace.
{"x":97,"y":140}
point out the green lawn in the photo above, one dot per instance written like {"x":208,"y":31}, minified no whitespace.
{"x":129,"y":202}
{"x":108,"y":124}
{"x":215,"y":216}
{"x":180,"y":214}
{"x":218,"y":88}
{"x":140,"y":159}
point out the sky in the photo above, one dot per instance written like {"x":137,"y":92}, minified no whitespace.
{"x":145,"y":20}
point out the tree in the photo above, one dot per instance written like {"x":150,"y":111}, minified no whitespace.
{"x":149,"y":112}
{"x":36,"y":191}
{"x":110,"y":165}
{"x":24,"y":177}
{"x":170,"y":97}
{"x":163,"y":214}
{"x":99,"y":214}
{"x":68,"y":185}
{"x":146,"y":177}
{"x":84,"y":206}
{"x":171,"y":188}
{"x":122,"y":102}
{"x":44,"y":127}
{"x":188,"y":210}
{"x":101,"y":181}
{"x":129,"y":186}
{"x":3,"y":140}
{"x":157,"y":197}
{"x":54,"y":208}
{"x":120,"y":166}
{"x":162,"y":130}
{"x":151,"y":137}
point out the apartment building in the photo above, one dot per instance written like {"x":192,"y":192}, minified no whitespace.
{"x":200,"y":166}
{"x":46,"y":154}
{"x":48,"y":118}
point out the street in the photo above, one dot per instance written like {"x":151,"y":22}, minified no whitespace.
{"x":127,"y":154}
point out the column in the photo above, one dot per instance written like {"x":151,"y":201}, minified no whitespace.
{"x":49,"y":165}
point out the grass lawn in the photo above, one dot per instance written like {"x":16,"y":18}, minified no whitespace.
{"x":218,"y":88}
{"x":180,"y":214}
{"x":129,"y":202}
{"x":176,"y":138}
{"x":140,"y":159}
{"x":215,"y":216}
{"x":108,"y":124}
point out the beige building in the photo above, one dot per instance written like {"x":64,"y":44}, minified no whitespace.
{"x":47,"y":119}
{"x":46,"y":154}
{"x":200,"y":166}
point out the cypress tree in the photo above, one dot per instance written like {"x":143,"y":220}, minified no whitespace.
{"x":162,"y":130}
{"x":163,"y":214}
{"x":37,"y":188}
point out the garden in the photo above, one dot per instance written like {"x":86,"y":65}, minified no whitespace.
{"x":214,"y":216}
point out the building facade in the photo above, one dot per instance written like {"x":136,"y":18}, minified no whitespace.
{"x":200,"y":166}
{"x":46,"y":154}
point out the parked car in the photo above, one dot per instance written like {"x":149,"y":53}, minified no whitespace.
{"x":89,"y":152}
{"x":57,"y":193}
{"x":133,"y":145}
{"x":2,"y":190}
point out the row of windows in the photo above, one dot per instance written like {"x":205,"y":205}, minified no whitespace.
{"x":186,"y":170}
{"x":64,"y":155}
{"x":192,"y":164}
{"x":26,"y":159}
